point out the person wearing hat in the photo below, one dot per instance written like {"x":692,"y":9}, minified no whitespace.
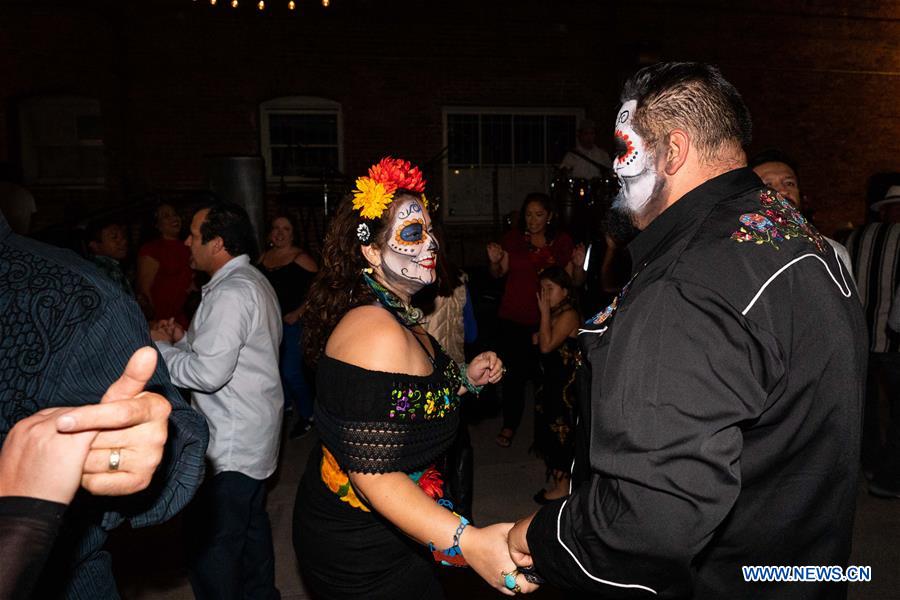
{"x":586,"y":160}
{"x":875,"y":249}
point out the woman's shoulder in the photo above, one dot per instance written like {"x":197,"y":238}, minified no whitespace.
{"x":371,"y":338}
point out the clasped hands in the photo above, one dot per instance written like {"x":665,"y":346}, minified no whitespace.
{"x":49,"y":454}
{"x":499,"y":550}
{"x":166,"y":330}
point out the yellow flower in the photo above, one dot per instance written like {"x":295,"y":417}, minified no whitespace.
{"x":371,"y":198}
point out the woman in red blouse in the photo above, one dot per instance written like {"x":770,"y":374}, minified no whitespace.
{"x":523,"y":253}
{"x":164,"y":273}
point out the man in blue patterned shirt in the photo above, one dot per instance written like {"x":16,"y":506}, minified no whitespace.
{"x":66,"y":333}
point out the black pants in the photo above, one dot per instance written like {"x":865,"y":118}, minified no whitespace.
{"x":519,"y":356}
{"x":230,"y":540}
{"x":883,"y":459}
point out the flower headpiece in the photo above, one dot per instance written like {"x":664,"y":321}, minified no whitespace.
{"x":375,"y":192}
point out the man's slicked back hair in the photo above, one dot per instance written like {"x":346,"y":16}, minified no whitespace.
{"x":690,"y":96}
{"x":230,"y":222}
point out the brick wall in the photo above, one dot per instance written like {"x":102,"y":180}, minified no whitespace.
{"x":178,"y":80}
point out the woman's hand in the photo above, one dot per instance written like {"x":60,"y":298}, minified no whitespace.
{"x":39,"y":462}
{"x":495,"y":252}
{"x":543,"y":301}
{"x":485,"y":368}
{"x":486,"y":549}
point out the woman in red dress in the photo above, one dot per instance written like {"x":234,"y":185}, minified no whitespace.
{"x":164,"y":274}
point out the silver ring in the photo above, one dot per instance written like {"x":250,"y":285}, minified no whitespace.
{"x":115,"y":457}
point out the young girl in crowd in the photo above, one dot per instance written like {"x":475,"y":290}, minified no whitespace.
{"x":554,"y":396}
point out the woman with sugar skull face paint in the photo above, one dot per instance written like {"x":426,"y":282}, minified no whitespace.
{"x":387,"y":410}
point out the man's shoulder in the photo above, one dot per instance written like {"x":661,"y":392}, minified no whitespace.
{"x":748,"y":240}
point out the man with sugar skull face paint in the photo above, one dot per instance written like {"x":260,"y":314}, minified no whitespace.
{"x":634,"y":164}
{"x":708,"y":431}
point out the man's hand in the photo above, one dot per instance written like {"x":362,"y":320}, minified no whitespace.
{"x":166,"y":331}
{"x":518,"y":543}
{"x":132,"y":422}
{"x":39,"y":462}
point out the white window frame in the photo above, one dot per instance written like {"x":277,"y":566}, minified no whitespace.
{"x":297,"y":105}
{"x":446,"y":205}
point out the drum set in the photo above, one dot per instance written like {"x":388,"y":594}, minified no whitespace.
{"x":583,"y":203}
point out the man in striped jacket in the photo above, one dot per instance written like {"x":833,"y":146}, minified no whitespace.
{"x":875,"y":250}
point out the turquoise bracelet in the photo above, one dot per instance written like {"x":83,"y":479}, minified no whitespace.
{"x":470,"y":387}
{"x":452,"y":556}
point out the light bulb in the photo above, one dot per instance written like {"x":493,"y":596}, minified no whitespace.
{"x":261,"y":5}
{"x":234,"y":3}
{"x":291,"y":5}
{"x":212,"y":2}
{"x":325,"y":3}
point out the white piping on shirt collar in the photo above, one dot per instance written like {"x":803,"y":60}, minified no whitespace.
{"x":846,"y":290}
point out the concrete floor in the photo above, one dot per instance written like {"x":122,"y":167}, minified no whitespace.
{"x":150,"y":565}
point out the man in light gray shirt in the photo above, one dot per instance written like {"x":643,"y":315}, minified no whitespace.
{"x":228,"y":358}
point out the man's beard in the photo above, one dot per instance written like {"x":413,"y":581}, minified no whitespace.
{"x":632,"y":212}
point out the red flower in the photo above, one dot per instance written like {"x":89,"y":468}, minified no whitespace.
{"x":432,"y":483}
{"x":396,"y":173}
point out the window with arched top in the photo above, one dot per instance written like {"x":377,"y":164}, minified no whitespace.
{"x":301,"y":138}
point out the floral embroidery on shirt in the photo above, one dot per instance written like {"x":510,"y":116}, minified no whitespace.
{"x":778,"y":220}
{"x":409,"y":404}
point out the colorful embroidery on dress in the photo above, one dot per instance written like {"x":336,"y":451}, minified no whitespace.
{"x":778,"y":221}
{"x":429,"y":480}
{"x":338,"y":481}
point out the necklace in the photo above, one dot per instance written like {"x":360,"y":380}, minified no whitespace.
{"x":409,"y":315}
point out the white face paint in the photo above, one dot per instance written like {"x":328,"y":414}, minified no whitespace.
{"x":410,"y":258}
{"x":634,"y":165}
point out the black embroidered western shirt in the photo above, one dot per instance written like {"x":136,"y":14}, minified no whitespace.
{"x":66,"y":333}
{"x":721,"y":410}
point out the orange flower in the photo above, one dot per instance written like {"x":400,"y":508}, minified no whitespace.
{"x":396,"y":173}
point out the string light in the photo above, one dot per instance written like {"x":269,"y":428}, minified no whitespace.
{"x":261,"y":5}
{"x":325,"y":3}
{"x":234,"y":3}
{"x":291,"y":5}
{"x":212,"y":2}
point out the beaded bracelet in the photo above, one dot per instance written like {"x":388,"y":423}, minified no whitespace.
{"x":452,"y":556}
{"x":470,"y":387}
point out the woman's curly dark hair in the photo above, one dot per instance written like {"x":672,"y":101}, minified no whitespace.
{"x":339,"y":286}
